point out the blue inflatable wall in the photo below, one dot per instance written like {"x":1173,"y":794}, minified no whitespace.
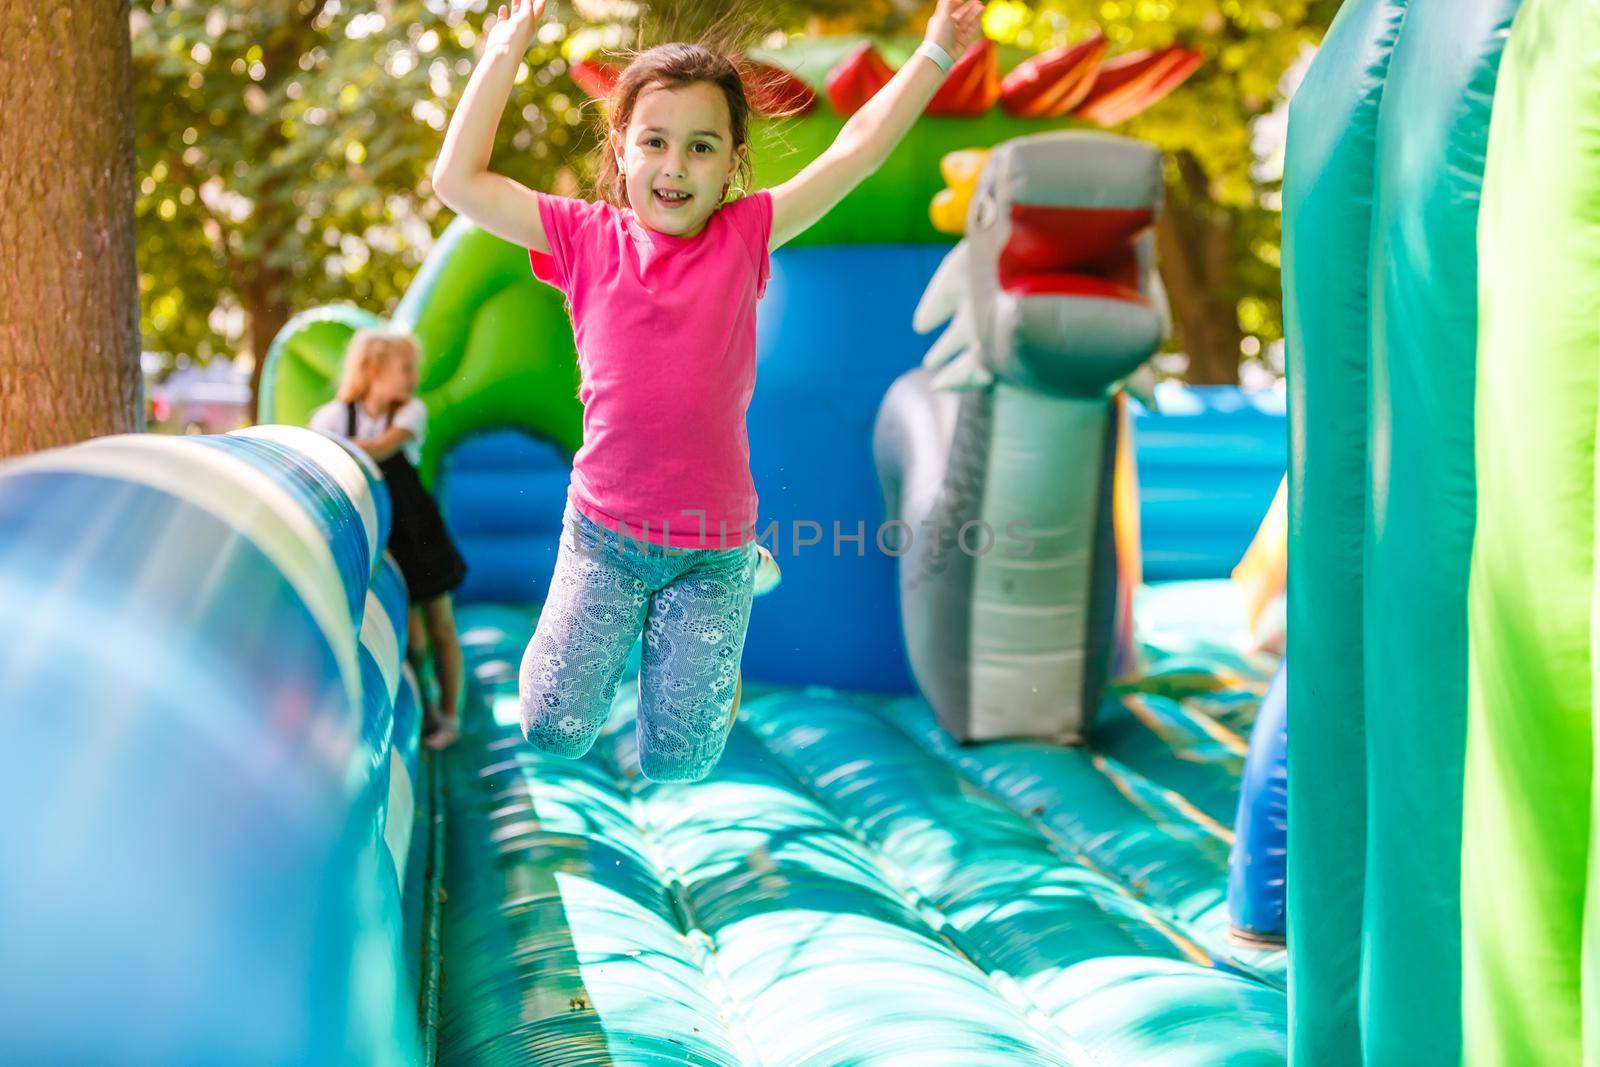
{"x":1210,"y":460}
{"x":199,"y":761}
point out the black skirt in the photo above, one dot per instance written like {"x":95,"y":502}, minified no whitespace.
{"x":421,"y":544}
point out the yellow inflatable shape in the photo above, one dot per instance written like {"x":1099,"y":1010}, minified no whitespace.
{"x":1263,"y":572}
{"x":960,"y":169}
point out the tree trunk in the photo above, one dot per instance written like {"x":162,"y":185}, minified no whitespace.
{"x":266,"y":302}
{"x":69,"y":290}
{"x":1194,"y":243}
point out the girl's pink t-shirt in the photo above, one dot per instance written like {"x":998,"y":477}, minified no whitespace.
{"x":666,"y":336}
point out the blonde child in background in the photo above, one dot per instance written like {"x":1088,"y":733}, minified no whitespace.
{"x":662,"y":273}
{"x":377,"y":408}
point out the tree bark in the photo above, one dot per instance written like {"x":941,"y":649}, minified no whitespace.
{"x":1194,"y":243}
{"x":266,"y":303}
{"x":69,"y":290}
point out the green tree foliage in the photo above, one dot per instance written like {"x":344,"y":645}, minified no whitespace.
{"x":284,"y":146}
{"x":1220,"y":236}
{"x":284,"y":150}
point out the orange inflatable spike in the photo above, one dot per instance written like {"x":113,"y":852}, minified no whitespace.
{"x":856,"y":77}
{"x":1051,"y":84}
{"x":773,"y":91}
{"x":1119,"y":78}
{"x":595,"y":78}
{"x":1129,"y":84}
{"x":1181,"y":65}
{"x":972,"y":86}
{"x":1177,"y":75}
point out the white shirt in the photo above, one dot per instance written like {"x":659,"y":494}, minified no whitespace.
{"x":332,"y":418}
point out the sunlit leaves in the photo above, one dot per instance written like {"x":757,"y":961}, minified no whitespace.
{"x":1248,"y":47}
{"x":268,"y":139}
{"x":298,"y":134}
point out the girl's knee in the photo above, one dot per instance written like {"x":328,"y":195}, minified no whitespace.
{"x":660,"y":768}
{"x":555,"y":730}
{"x":679,"y":747}
{"x":559,"y":715}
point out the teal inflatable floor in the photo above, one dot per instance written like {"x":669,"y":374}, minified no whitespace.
{"x":851,"y":887}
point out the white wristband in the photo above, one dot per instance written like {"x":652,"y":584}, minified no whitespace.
{"x":940,"y":57}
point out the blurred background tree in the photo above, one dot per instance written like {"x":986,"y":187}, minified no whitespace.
{"x":284,"y":146}
{"x":284,"y":149}
{"x":1219,"y":235}
{"x":69,"y":337}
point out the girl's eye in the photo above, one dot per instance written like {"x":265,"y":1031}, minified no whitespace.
{"x":654,"y":142}
{"x":701,"y":144}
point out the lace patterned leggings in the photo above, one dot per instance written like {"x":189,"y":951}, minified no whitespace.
{"x":693,"y":606}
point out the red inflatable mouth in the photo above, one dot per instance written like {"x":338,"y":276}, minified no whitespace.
{"x":1074,"y":251}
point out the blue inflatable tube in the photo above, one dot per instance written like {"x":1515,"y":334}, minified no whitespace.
{"x":195,"y":776}
{"x":1258,"y":863}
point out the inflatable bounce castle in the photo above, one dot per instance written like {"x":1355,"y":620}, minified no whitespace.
{"x":1015,"y":791}
{"x":969,"y":804}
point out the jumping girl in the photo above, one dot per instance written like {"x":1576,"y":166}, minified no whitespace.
{"x":662,"y":273}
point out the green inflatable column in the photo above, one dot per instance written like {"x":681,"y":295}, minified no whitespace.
{"x":497,"y":349}
{"x":1531,"y":602}
{"x":1433,"y":130}
{"x":1328,"y":186}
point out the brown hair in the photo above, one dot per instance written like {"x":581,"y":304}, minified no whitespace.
{"x":370,"y":350}
{"x":669,"y":66}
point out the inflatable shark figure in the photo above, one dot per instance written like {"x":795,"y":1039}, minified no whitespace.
{"x":997,"y":457}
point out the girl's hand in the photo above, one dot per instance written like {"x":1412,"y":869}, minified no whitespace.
{"x":956,"y":25}
{"x":515,"y":27}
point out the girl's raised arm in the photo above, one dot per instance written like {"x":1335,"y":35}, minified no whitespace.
{"x":871,"y":133}
{"x":461,"y":175}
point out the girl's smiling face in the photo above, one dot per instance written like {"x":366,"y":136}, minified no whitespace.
{"x":677,"y":156}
